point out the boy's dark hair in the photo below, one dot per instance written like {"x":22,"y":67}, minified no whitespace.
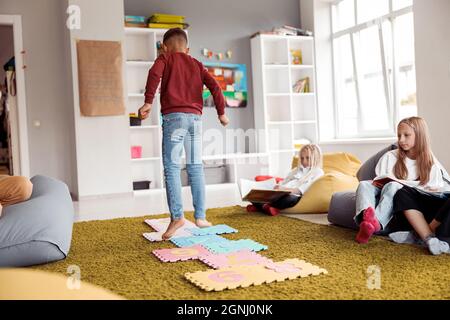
{"x":174,"y":32}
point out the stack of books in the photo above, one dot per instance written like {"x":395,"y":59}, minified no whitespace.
{"x":166,"y":21}
{"x":136,"y":21}
{"x":301,"y":86}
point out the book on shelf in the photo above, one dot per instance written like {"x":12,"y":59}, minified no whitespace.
{"x":301,"y":86}
{"x":166,"y":18}
{"x":299,"y":32}
{"x":135,"y":25}
{"x":260,"y":191}
{"x":135,"y":19}
{"x":168,"y":25}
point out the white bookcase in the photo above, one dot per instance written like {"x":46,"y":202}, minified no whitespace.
{"x":140,"y":53}
{"x":286,"y":117}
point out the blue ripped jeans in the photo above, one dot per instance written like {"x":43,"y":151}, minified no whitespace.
{"x":183,"y":130}
{"x":382,"y":200}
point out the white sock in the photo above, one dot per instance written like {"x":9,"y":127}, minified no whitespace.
{"x":407,"y":237}
{"x":437,"y":246}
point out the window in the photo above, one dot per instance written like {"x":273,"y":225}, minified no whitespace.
{"x":374,"y":69}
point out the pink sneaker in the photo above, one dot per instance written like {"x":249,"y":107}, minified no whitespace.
{"x":271,"y":211}
{"x":366,"y":230}
{"x":369,"y":216}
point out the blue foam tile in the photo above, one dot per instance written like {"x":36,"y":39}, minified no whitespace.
{"x":193,"y":240}
{"x":217,"y":229}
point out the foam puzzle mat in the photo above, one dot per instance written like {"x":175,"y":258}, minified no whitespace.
{"x":245,"y":276}
{"x":217,"y":229}
{"x":234,"y":245}
{"x":180,"y":254}
{"x":193,"y":240}
{"x":162,"y":224}
{"x":239,"y":258}
{"x":235,"y":262}
{"x":188,"y":229}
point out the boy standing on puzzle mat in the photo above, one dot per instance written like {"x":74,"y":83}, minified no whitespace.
{"x":182,"y":79}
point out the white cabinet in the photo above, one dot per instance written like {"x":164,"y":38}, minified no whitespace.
{"x":285,"y":111}
{"x":140,"y":53}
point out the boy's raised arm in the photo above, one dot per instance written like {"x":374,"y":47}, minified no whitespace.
{"x":154,"y":77}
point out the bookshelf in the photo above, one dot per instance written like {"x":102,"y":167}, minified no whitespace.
{"x":140,"y":52}
{"x":286,"y":117}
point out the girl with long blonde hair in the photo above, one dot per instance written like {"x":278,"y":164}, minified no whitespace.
{"x":307,"y":171}
{"x":412,"y":164}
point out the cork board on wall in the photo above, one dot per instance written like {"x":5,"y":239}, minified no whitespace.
{"x":100,"y":78}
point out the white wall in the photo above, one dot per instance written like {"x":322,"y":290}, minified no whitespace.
{"x":102,"y":143}
{"x":315,"y":16}
{"x":432,"y":42}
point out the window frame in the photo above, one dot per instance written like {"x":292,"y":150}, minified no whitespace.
{"x":392,"y":100}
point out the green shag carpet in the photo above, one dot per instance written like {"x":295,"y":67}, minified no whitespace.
{"x":113,"y":254}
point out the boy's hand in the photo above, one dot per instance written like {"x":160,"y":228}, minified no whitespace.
{"x":144,"y":111}
{"x":224,"y":120}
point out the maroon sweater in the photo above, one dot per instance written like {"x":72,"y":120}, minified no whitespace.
{"x":182,"y":78}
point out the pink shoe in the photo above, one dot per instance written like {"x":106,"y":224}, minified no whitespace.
{"x":252,"y":208}
{"x":271,"y":211}
{"x":369,"y":216}
{"x":366,"y":230}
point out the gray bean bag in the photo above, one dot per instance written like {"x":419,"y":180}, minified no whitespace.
{"x":343,"y":206}
{"x":39,"y":230}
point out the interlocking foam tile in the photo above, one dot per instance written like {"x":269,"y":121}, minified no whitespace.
{"x":162,"y":224}
{"x":193,"y":240}
{"x":180,"y":254}
{"x":234,"y":245}
{"x":157,"y":236}
{"x":239,"y":258}
{"x":245,"y":276}
{"x":217,"y":229}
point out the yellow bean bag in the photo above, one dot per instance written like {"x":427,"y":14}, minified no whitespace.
{"x":340,"y":175}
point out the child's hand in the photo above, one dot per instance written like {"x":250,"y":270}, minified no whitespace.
{"x":224,"y":120}
{"x":144,"y":111}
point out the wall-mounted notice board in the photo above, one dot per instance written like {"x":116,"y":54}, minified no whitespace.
{"x":100,"y":78}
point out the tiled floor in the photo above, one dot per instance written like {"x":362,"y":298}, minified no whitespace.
{"x":103,"y":208}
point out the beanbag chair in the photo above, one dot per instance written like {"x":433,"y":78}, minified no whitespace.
{"x":38,"y":230}
{"x":340,"y":175}
{"x":317,"y":198}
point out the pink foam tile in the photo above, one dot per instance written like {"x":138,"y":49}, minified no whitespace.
{"x":238,"y":258}
{"x":181,"y":254}
{"x":162,"y":224}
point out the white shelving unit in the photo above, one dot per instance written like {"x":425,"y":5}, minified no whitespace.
{"x":285,"y":116}
{"x":141,"y":52}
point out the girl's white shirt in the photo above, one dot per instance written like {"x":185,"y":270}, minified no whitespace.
{"x":385,"y":167}
{"x":294,"y":178}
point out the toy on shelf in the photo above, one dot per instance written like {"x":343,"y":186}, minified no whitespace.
{"x":296,"y":56}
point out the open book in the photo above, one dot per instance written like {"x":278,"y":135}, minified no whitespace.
{"x":260,"y":191}
{"x":382,"y":180}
